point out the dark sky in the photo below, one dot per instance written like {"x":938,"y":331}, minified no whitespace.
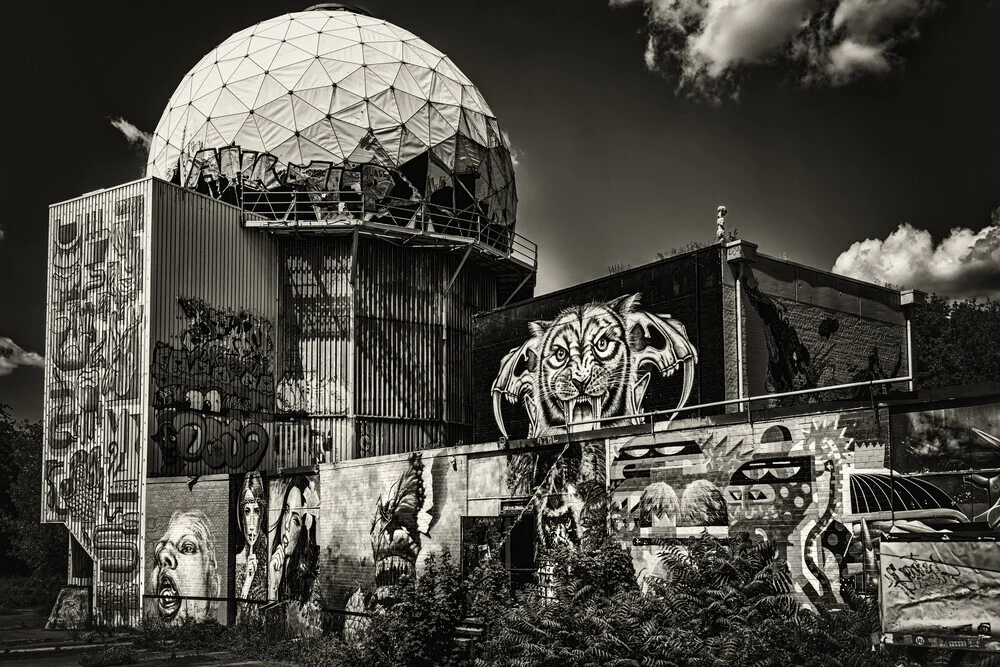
{"x":613,"y":166}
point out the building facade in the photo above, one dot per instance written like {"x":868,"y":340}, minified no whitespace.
{"x":279,"y":376}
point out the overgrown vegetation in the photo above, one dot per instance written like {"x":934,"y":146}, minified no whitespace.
{"x":954,"y":343}
{"x":32,"y":555}
{"x":714,"y":603}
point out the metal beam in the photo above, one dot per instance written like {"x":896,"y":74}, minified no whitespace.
{"x":518,"y":289}
{"x":454,"y":276}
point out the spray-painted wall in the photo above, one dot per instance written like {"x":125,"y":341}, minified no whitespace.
{"x":322,"y":547}
{"x":806,"y":329}
{"x":647,"y":339}
{"x":213,"y":312}
{"x":95,"y":385}
{"x":188,"y":562}
{"x":824,"y":486}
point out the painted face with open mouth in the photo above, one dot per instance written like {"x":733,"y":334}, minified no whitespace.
{"x":185,"y":577}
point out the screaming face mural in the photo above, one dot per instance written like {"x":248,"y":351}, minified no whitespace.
{"x":592,"y":362}
{"x":185,"y":577}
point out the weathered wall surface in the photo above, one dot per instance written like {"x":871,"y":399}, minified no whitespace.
{"x":806,"y":329}
{"x":824,"y":486}
{"x":609,"y":348}
{"x":213,"y":312}
{"x":188,"y":559}
{"x":95,"y":384}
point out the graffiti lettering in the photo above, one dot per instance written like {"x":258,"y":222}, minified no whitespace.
{"x":918,"y":575}
{"x":187,"y":437}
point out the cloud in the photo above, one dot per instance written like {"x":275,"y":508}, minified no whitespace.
{"x":12,"y":356}
{"x":965,"y":264}
{"x":137,"y":139}
{"x":515,"y":154}
{"x":706,"y":43}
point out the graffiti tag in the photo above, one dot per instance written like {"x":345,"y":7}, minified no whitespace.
{"x":188,"y":437}
{"x":920,"y":574}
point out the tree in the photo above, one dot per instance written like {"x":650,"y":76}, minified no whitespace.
{"x":954,"y":343}
{"x":29,"y":545}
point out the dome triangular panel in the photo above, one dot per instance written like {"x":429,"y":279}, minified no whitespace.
{"x":330,"y":87}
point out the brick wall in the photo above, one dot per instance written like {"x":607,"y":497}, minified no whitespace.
{"x":187,"y":547}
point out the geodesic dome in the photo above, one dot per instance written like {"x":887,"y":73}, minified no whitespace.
{"x":333,"y":101}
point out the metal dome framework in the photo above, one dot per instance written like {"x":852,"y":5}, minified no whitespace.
{"x":331,"y":119}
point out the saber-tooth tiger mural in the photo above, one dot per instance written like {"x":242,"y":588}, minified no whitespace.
{"x":592,"y":362}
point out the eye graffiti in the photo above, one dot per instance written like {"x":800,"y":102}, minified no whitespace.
{"x":591,"y":363}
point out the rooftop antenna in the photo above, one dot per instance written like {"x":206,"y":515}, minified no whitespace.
{"x":720,"y":224}
{"x":337,"y":7}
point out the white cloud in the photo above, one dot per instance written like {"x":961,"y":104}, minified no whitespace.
{"x":12,"y":356}
{"x":963,"y":265}
{"x":137,"y":139}
{"x":706,"y":42}
{"x":515,"y":154}
{"x":850,"y":57}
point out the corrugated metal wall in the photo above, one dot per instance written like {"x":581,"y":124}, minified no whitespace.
{"x":315,"y":349}
{"x":214,"y":313}
{"x":96,"y":386}
{"x":413,"y":369}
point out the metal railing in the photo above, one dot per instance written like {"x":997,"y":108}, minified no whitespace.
{"x":656,"y":416}
{"x":291,"y":209}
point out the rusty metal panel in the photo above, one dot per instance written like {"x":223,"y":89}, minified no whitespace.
{"x":214,"y":307}
{"x":96,"y":381}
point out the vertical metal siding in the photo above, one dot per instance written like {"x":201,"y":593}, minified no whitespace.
{"x":95,"y":379}
{"x":213,"y":336}
{"x":413,"y":372}
{"x":315,"y":391}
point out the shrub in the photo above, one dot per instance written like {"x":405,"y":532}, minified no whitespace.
{"x":419,"y":630}
{"x":116,"y":654}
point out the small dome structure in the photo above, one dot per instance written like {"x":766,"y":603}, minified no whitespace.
{"x":333,"y":100}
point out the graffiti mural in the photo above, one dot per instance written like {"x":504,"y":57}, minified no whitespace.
{"x":219,"y":443}
{"x":808,"y":347}
{"x":821,"y":489}
{"x":293,"y":564}
{"x":565,"y":490}
{"x":187,"y":542}
{"x":71,"y":611}
{"x":222,"y":360}
{"x":401,"y":520}
{"x":97,"y":322}
{"x":213,"y":392}
{"x":251,"y":560}
{"x":592,"y":362}
{"x":185,"y":576}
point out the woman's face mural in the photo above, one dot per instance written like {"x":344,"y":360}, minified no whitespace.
{"x":293,"y":518}
{"x":185,"y":575}
{"x":251,"y":519}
